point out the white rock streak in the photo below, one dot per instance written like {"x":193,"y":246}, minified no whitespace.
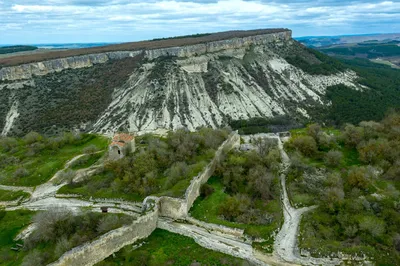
{"x":10,"y":118}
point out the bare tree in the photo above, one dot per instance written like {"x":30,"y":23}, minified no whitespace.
{"x":264,"y":145}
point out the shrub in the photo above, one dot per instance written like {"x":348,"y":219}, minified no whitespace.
{"x":8,"y":143}
{"x":372,"y":225}
{"x":306,"y":145}
{"x":62,"y":246}
{"x":34,"y":258}
{"x":333,"y":158}
{"x":352,"y":135}
{"x":21,"y":172}
{"x":90,"y":149}
{"x":65,"y":176}
{"x":177,"y":172}
{"x":108,"y":223}
{"x":264,"y":145}
{"x":357,"y":177}
{"x":206,"y":190}
{"x":230,"y":209}
{"x":314,"y":130}
{"x":32,"y":137}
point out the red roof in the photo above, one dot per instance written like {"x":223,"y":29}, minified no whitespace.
{"x":123,"y":137}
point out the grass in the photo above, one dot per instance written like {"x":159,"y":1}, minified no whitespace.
{"x":165,"y":248}
{"x":12,"y":195}
{"x":303,"y":131}
{"x":206,"y":209}
{"x":11,"y":223}
{"x":44,"y":165}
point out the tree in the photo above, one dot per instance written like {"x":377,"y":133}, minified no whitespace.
{"x":333,"y":158}
{"x":373,"y":150}
{"x":314,"y":130}
{"x":178,"y":171}
{"x":230,"y":209}
{"x":264,"y":145}
{"x":372,"y":225}
{"x":357,"y":177}
{"x":32,"y":137}
{"x":352,"y":135}
{"x":306,"y":145}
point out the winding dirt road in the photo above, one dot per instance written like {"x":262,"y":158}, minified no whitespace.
{"x":286,"y":244}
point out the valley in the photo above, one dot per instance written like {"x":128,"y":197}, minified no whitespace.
{"x":233,"y":148}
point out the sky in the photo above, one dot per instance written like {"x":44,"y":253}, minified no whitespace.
{"x":83,"y":21}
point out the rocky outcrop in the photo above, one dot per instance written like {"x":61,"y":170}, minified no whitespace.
{"x":27,"y":71}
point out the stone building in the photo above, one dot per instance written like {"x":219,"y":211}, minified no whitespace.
{"x":121,"y":145}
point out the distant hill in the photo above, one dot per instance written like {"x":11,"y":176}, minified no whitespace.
{"x":322,"y":41}
{"x":16,"y":48}
{"x":379,"y":48}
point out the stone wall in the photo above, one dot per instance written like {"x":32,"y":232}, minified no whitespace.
{"x":179,"y":208}
{"x":27,"y":71}
{"x":103,"y":247}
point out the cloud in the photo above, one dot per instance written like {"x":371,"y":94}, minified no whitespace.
{"x":26,"y":21}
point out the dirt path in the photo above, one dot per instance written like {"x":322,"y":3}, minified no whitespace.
{"x":286,"y":246}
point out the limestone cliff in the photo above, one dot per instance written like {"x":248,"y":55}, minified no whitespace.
{"x":204,"y":84}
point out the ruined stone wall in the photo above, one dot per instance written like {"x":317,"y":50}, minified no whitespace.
{"x":193,"y":190}
{"x":27,"y":71}
{"x":179,"y":208}
{"x":98,"y":250}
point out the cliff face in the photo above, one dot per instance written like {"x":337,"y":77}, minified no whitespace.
{"x":27,"y":71}
{"x":198,"y":85}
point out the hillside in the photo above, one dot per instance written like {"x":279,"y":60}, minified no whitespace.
{"x":212,"y":80}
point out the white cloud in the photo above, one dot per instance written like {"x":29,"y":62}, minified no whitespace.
{"x":81,"y":19}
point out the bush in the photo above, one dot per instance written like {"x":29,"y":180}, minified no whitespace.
{"x":65,"y":176}
{"x":352,"y":136}
{"x":21,"y":172}
{"x":357,"y":177}
{"x":34,"y":258}
{"x":8,"y":143}
{"x":206,"y":190}
{"x":62,"y":246}
{"x":306,"y":145}
{"x":90,"y":149}
{"x":333,"y":158}
{"x":177,"y":172}
{"x":32,"y":137}
{"x":372,"y":225}
{"x":109,"y":223}
{"x":314,"y":130}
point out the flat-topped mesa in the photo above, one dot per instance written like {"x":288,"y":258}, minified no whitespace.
{"x":151,"y":50}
